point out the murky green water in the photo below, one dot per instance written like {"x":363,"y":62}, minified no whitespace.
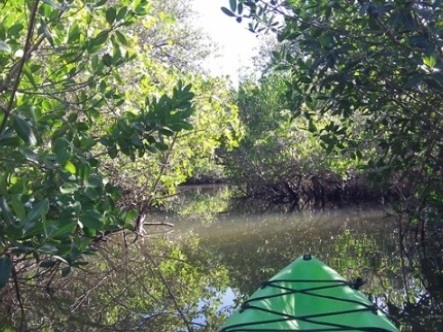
{"x":191,"y":278}
{"x":355,"y":242}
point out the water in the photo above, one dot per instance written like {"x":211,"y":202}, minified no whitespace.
{"x":256,"y":247}
{"x":193,"y":277}
{"x":355,"y":242}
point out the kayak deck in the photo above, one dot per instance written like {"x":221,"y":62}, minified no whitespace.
{"x":307,"y":295}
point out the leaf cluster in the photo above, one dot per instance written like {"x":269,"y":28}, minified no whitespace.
{"x":77,"y":93}
{"x":373,"y":69}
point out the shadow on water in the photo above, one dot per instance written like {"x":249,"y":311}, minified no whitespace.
{"x":190,"y":279}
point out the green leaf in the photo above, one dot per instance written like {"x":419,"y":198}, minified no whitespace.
{"x":161,"y":146}
{"x":24,"y":129}
{"x":151,"y":148}
{"x":15,"y":29}
{"x":34,"y":230}
{"x":121,"y":38}
{"x":13,"y":232}
{"x":68,"y":188}
{"x":107,"y":60}
{"x":122,"y":13}
{"x":240,"y":8}
{"x":39,"y":211}
{"x":53,"y":4}
{"x":30,"y":76}
{"x":7,"y":138}
{"x":312,"y":128}
{"x":61,"y":259}
{"x":70,"y":167}
{"x":187,"y":126}
{"x":44,"y":30}
{"x":95,"y":43}
{"x":48,"y":249}
{"x":233,"y":5}
{"x":74,"y":33}
{"x":5,"y":270}
{"x":64,"y":228}
{"x":130,"y":216}
{"x":227,"y":11}
{"x":18,"y":207}
{"x":111,"y":13}
{"x":92,"y":219}
{"x":6,"y":211}
{"x":61,"y":147}
{"x":94,"y":181}
{"x":166,"y":132}
{"x":113,"y":152}
{"x":92,"y":194}
{"x":22,"y":249}
{"x":84,"y":171}
{"x":430,"y":61}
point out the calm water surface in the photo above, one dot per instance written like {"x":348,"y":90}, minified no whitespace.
{"x":190,"y":279}
{"x":355,"y":242}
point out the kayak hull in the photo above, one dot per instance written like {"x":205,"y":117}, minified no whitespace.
{"x":307,"y":295}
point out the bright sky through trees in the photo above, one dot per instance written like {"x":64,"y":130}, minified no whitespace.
{"x":236,"y":44}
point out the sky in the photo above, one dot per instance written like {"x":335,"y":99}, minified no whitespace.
{"x":237,"y":45}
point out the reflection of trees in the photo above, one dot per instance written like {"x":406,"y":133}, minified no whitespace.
{"x":355,"y":246}
{"x":421,"y":256}
{"x":256,"y":250}
{"x":200,"y":204}
{"x":148,"y":287}
{"x":161,"y":286}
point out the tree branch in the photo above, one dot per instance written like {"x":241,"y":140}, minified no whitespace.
{"x":171,"y":294}
{"x":19,"y":298}
{"x":27,"y":52}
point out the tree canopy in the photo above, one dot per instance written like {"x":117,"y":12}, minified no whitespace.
{"x":86,"y":86}
{"x":373,"y":70}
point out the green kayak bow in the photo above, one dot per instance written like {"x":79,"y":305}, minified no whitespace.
{"x":308,"y":295}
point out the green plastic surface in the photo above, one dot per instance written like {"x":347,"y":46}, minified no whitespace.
{"x":307,"y":295}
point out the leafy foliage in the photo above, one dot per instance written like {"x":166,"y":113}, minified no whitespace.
{"x":170,"y":37}
{"x":214,"y":124}
{"x":281,"y":158}
{"x":79,"y":93}
{"x":372,"y":69}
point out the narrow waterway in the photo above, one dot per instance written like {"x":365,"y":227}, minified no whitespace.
{"x":192,"y":276}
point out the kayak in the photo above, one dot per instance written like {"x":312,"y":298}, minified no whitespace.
{"x":308,"y":295}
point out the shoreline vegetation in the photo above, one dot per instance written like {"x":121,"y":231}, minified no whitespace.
{"x":311,"y":192}
{"x":105,"y":111}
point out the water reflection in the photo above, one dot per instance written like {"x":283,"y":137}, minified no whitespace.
{"x":356,"y":243}
{"x":191,"y":278}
